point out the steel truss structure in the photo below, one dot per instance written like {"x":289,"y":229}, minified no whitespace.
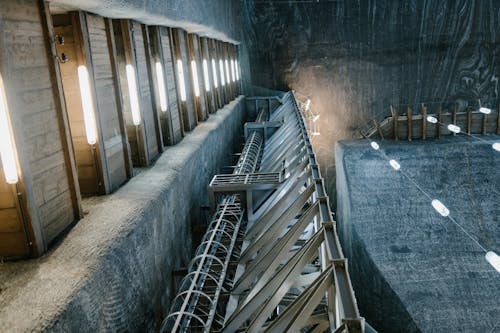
{"x":271,"y":260}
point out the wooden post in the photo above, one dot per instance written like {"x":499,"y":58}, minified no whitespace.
{"x":377,"y":126}
{"x":424,"y":121}
{"x":409,"y":116}
{"x":483,"y":127}
{"x":60,"y":105}
{"x":395,"y":119}
{"x":119,"y":98}
{"x":469,"y":120}
{"x":440,"y":119}
{"x":498,"y":120}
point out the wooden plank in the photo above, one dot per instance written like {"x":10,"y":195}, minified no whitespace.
{"x":395,"y":119}
{"x":469,"y":120}
{"x":440,"y":121}
{"x":454,"y":116}
{"x":68,"y":152}
{"x":409,"y":115}
{"x":375,"y":123}
{"x":498,"y":121}
{"x":424,"y":121}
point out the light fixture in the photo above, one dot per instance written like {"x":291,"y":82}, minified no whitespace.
{"x":233,"y":76}
{"x":132,"y":91}
{"x":205,"y":75}
{"x":394,"y":164}
{"x":214,"y":73}
{"x":484,"y":110}
{"x":7,"y":156}
{"x":315,"y":118}
{"x":221,"y":67}
{"x":87,"y":105}
{"x":493,"y":259}
{"x":182,"y":83}
{"x":196,"y":83}
{"x":307,"y":104}
{"x":454,"y":128}
{"x":161,"y":86}
{"x":440,"y":208}
{"x":496,"y":146}
{"x":228,"y":79}
{"x":237,"y":68}
{"x":432,"y":119}
{"x":374,"y":145}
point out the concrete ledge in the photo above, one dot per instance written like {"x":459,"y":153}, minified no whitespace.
{"x":112,"y":272}
{"x":412,"y":269}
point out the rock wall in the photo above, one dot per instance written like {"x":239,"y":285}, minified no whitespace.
{"x":356,"y":58}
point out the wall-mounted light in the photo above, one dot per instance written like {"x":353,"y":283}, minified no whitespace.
{"x":493,"y":259}
{"x":394,"y":164}
{"x":233,"y":76}
{"x":196,"y":83}
{"x":237,"y":68}
{"x":375,"y":145}
{"x":161,"y":86}
{"x":454,"y":128}
{"x":214,"y":73}
{"x":205,"y":75}
{"x":228,"y":79}
{"x":221,"y":67}
{"x":87,"y":105}
{"x":432,"y":119}
{"x":496,"y":146}
{"x":7,"y":156}
{"x":440,"y":207}
{"x":182,"y":83}
{"x":134,"y":97}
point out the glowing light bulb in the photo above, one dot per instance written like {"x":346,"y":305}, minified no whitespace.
{"x":440,"y":208}
{"x":453,"y":128}
{"x":182,"y":83}
{"x":228,"y":79}
{"x":87,"y":105}
{"x":394,"y":164}
{"x":233,"y":76}
{"x":161,"y":86}
{"x":205,"y":75}
{"x":496,"y":146}
{"x":237,"y":70}
{"x":134,"y":98}
{"x":374,"y":145}
{"x":7,"y":156}
{"x":196,"y":84}
{"x":214,"y":73}
{"x":432,"y":119}
{"x":493,"y":259}
{"x":484,"y":110}
{"x":221,"y":67}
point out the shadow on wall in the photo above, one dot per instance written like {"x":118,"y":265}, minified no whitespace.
{"x":356,"y":58}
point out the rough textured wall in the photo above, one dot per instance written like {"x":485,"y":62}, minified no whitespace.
{"x":356,"y":58}
{"x":212,"y":18}
{"x":412,"y":269}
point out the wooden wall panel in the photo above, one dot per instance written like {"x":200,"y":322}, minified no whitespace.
{"x":171,"y":82}
{"x":108,"y":108}
{"x":189,"y":118}
{"x":149,"y":117}
{"x":205,"y":54}
{"x":194,"y":54}
{"x":46,"y":173}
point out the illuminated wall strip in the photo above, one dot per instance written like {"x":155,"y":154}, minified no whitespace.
{"x":237,"y":68}
{"x":196,"y":83}
{"x":205,"y":75}
{"x":233,"y":76}
{"x":134,"y":97}
{"x":161,"y":86}
{"x":228,"y":79}
{"x":221,"y":67}
{"x":214,"y":73}
{"x":6,"y":145}
{"x":182,"y":83}
{"x":87,"y":105}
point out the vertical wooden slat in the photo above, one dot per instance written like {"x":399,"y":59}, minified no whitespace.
{"x":440,"y":120}
{"x":498,"y":120}
{"x":424,"y":121}
{"x":153,"y":87}
{"x":454,"y":117}
{"x":395,"y":120}
{"x":119,"y":98}
{"x":375,"y":123}
{"x":469,"y":120}
{"x":409,"y":115}
{"x":62,"y":115}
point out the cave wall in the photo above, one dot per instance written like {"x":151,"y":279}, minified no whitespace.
{"x":356,"y":58}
